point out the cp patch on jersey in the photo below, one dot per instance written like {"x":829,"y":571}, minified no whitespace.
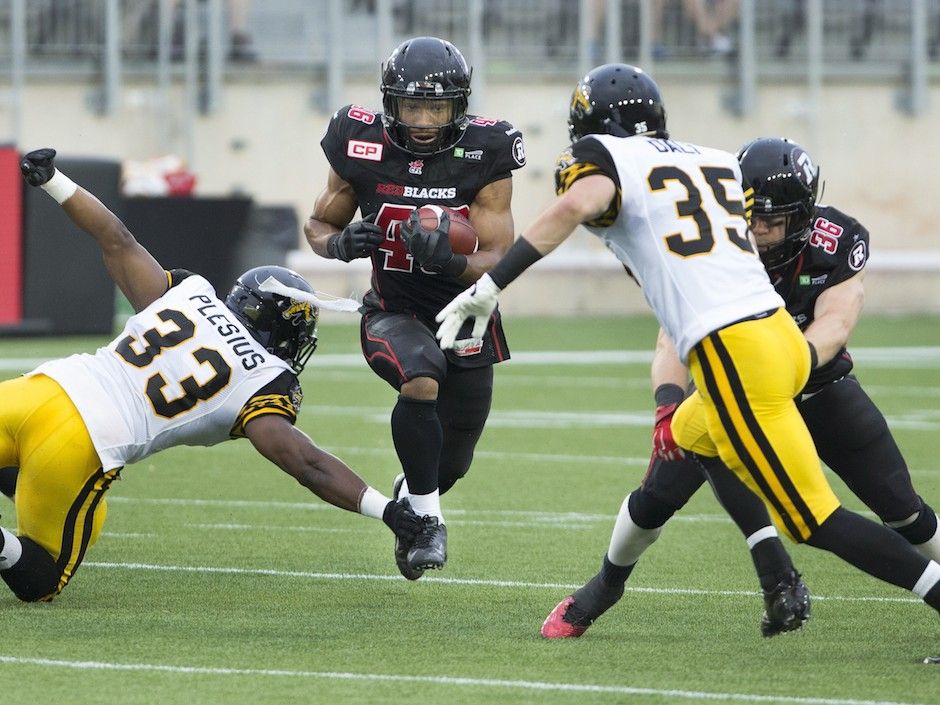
{"x":359,"y":149}
{"x":858,"y":255}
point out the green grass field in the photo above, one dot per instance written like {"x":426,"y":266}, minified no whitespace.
{"x":219,"y":580}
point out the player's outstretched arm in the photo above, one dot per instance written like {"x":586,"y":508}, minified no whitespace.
{"x":328,"y":477}
{"x":132,"y":268}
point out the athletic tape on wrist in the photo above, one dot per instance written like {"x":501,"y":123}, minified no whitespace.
{"x":60,"y":187}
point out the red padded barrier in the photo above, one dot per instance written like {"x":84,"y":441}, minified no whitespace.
{"x":11,"y":236}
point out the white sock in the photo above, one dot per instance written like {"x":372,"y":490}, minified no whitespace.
{"x":628,"y":541}
{"x":427,"y":504}
{"x":373,"y":503}
{"x":931,"y":548}
{"x":403,"y":492}
{"x":929,"y":578}
{"x":11,"y":551}
{"x":760,"y":535}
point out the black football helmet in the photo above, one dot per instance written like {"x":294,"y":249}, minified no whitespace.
{"x":616,"y":99}
{"x":426,"y":68}
{"x":785,"y":182}
{"x":285,"y":327}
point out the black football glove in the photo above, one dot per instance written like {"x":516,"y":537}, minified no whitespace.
{"x":38,"y":166}
{"x":358,"y":239}
{"x":430,"y":248}
{"x":401,"y":519}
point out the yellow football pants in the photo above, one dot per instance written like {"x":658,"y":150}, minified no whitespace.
{"x":743,"y":411}
{"x":60,"y":487}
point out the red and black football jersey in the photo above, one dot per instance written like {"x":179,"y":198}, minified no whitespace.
{"x":391,"y":182}
{"x":837,"y":250}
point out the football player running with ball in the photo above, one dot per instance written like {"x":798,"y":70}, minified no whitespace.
{"x":424,"y":149}
{"x":188,"y":369}
{"x":674,"y":214}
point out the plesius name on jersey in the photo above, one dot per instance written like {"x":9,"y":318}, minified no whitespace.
{"x":665,"y":146}
{"x":229,"y":330}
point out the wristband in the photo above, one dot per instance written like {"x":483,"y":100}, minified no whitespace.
{"x":60,"y":187}
{"x":666,"y":394}
{"x":813,"y":356}
{"x":520,"y":257}
{"x":456,"y":266}
{"x":331,"y":245}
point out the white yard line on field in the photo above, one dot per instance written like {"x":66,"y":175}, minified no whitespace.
{"x":914,"y":420}
{"x":270,"y":572}
{"x":457,"y":681}
{"x":907,"y":357}
{"x":476,"y":517}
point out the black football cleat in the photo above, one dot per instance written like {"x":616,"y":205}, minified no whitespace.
{"x":786,"y":606}
{"x":402,"y":547}
{"x":429,"y":550}
{"x":932,"y":660}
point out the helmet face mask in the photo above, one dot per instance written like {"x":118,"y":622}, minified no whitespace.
{"x":286,"y":328}
{"x":786,"y":183}
{"x":425,"y":69}
{"x":616,"y":99}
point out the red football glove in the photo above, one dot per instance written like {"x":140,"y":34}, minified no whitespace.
{"x":664,"y":445}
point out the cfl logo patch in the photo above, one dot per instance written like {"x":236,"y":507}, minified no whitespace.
{"x":357,"y":149}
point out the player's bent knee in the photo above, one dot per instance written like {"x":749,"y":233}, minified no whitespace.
{"x":36,"y":576}
{"x":423,"y":388}
{"x":647,"y":512}
{"x":919,"y":527}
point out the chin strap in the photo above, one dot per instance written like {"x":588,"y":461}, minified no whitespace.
{"x":317,"y":298}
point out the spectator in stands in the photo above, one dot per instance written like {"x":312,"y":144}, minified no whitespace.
{"x":240,"y":49}
{"x":711,"y":19}
{"x":141,"y":20}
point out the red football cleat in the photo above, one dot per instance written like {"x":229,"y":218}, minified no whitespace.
{"x":555,"y":626}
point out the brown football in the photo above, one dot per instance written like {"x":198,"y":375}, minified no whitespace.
{"x":463,"y":238}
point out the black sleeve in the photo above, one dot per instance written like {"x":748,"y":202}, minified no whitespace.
{"x":505,"y":151}
{"x":853,"y":248}
{"x":585,"y":157}
{"x":281,"y":396}
{"x":175,"y":276}
{"x":334,"y":140}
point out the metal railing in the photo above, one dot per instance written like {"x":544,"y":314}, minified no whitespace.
{"x":204,"y":43}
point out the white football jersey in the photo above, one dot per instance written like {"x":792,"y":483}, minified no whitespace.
{"x":180,"y":373}
{"x":680,"y":229}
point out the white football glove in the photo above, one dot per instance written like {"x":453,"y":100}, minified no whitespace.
{"x":478,"y":301}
